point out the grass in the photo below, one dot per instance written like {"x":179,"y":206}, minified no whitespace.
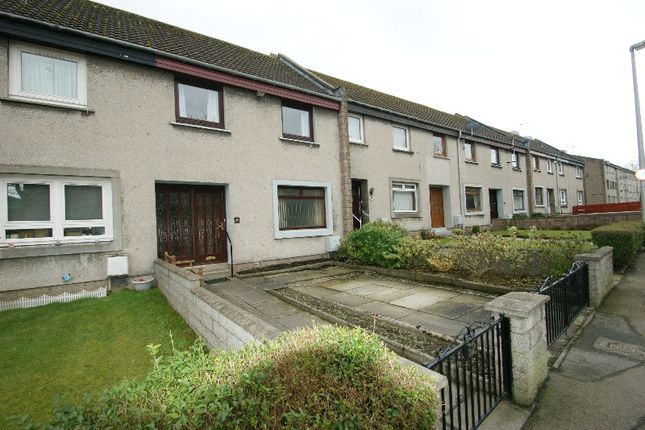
{"x":53,"y":355}
{"x":550,"y":234}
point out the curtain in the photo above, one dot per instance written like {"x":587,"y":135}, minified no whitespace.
{"x":301,"y":213}
{"x":212,"y":106}
{"x":45,"y":75}
{"x":304,"y":123}
{"x":182,"y":100}
{"x":403,"y":201}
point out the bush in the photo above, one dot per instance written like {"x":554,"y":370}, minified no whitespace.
{"x":372,"y":243}
{"x":625,"y":237}
{"x":520,"y":216}
{"x":475,"y":229}
{"x":538,"y":215}
{"x":321,"y":378}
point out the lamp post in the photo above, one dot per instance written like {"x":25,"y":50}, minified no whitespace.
{"x":639,"y":128}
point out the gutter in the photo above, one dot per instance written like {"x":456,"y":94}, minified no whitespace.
{"x":160,"y":53}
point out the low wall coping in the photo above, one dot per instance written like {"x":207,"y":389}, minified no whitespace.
{"x":517,"y":304}
{"x":597,"y":255}
{"x":181,"y":271}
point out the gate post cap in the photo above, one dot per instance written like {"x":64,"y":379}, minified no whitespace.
{"x":517,"y":304}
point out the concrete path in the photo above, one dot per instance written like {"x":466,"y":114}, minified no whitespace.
{"x":601,"y":381}
{"x":437,"y":309}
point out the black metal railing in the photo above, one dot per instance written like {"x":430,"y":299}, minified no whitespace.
{"x":230,"y":250}
{"x":569,"y":296}
{"x":479,"y":374}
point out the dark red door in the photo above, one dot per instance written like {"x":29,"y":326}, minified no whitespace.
{"x":191,"y":222}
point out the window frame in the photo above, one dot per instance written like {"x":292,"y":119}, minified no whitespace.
{"x":515,"y":160}
{"x":549,"y":166}
{"x":560,"y":168}
{"x":301,"y":107}
{"x":308,"y":232}
{"x":15,"y":75}
{"x":497,"y":156}
{"x":578,"y":172}
{"x":415,"y":196}
{"x":210,"y":86}
{"x":361,"y":127}
{"x":580,"y":197}
{"x":543,"y":204}
{"x":407,"y":139}
{"x":536,"y":163}
{"x":477,"y":210}
{"x":57,"y":222}
{"x":442,"y":139}
{"x":563,"y":202}
{"x":523,"y":208}
{"x":473,"y":152}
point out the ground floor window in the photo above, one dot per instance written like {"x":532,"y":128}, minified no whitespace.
{"x":404,"y":197}
{"x":580,"y":198}
{"x":563,"y":197}
{"x":539,"y":196}
{"x":301,"y":207}
{"x":41,"y":210}
{"x":473,"y":199}
{"x":518,"y":200}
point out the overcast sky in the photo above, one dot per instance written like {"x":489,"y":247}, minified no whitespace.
{"x":557,"y":70}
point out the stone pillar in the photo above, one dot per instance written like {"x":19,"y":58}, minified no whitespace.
{"x":601,"y":271}
{"x":345,"y":167}
{"x":528,"y":341}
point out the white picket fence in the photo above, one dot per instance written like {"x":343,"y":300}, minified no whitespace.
{"x":31,"y":302}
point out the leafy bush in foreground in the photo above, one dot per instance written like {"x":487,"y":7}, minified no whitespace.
{"x":372,"y":243}
{"x":625,"y":237}
{"x":321,"y":378}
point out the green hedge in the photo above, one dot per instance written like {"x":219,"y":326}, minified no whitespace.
{"x":322,"y":378}
{"x":625,"y":237}
{"x":372,"y":243}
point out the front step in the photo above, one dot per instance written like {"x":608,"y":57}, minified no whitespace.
{"x":213,"y":272}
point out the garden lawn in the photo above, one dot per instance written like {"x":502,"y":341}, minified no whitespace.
{"x":52,"y":355}
{"x":549,"y":234}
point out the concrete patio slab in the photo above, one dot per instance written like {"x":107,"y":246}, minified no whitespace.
{"x":301,"y":319}
{"x":276,"y":308}
{"x":419,"y":300}
{"x":385,"y":309}
{"x":451,"y":309}
{"x":370,"y":290}
{"x":341,"y":285}
{"x":434,"y":323}
{"x":348,"y":299}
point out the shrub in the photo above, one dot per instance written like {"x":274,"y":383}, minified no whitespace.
{"x":475,"y":229}
{"x":411,"y":253}
{"x":372,"y":243}
{"x":625,"y":237}
{"x":325,"y":377}
{"x":520,"y":216}
{"x":538,"y":215}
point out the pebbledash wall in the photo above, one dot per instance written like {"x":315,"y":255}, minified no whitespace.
{"x":126,"y":136}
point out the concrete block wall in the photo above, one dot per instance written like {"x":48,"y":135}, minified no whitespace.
{"x":221,"y":324}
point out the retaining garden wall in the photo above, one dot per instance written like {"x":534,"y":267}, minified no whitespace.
{"x":568,"y":222}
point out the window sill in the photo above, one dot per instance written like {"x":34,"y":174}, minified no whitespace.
{"x":354,"y":142}
{"x":560,"y":174}
{"x":578,"y":177}
{"x":519,"y":211}
{"x":440,"y":157}
{"x":497,"y":166}
{"x":24,"y":251}
{"x":34,"y":102}
{"x":200,"y":127}
{"x":475,"y":214}
{"x":471,"y":162}
{"x":293,"y":234}
{"x":550,"y":173}
{"x":404,"y":151}
{"x":398,"y":215}
{"x":540,"y":206}
{"x":299,"y":141}
{"x":517,"y":169}
{"x":537,"y":170}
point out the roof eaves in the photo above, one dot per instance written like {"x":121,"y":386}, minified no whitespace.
{"x":163,"y":54}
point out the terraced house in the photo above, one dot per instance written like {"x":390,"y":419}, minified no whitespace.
{"x":124,"y":136}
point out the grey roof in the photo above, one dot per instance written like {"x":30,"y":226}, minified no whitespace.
{"x":116,"y":24}
{"x":545,"y":148}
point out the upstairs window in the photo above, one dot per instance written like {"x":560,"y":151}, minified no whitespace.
{"x":439,"y":145}
{"x":469,"y":152}
{"x":560,"y":169}
{"x":47,"y":75}
{"x":297,"y":121}
{"x":494,"y":157}
{"x":199,"y":105}
{"x":355,"y":129}
{"x":400,"y":139}
{"x":578,"y":172}
{"x":515,"y":160}
{"x":536,"y":163}
{"x":549,"y":166}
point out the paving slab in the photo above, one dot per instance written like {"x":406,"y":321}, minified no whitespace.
{"x":317,"y":291}
{"x":341,"y":284}
{"x":434,"y":323}
{"x":348,"y":299}
{"x":451,"y":309}
{"x":276,"y":308}
{"x":419,"y":300}
{"x":300,"y":319}
{"x":370,"y":290}
{"x":385,"y":309}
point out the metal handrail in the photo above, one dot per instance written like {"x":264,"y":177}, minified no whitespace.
{"x":230,"y":249}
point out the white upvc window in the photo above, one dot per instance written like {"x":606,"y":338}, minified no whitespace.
{"x":473,"y":198}
{"x":400,"y":138}
{"x":515,"y":160}
{"x":539,"y":196}
{"x":581,"y":199}
{"x":469,"y":152}
{"x":578,"y":172}
{"x":301,"y":209}
{"x":518,"y":200}
{"x":355,"y":129}
{"x":549,"y":166}
{"x":560,"y":168}
{"x":494,"y":157}
{"x":563,"y":197}
{"x":47,"y":75}
{"x":404,"y":197}
{"x":38,"y":210}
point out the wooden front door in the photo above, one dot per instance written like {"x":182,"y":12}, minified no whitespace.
{"x":191,"y":222}
{"x":436,"y":207}
{"x":492,"y":200}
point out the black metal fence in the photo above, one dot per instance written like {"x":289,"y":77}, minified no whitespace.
{"x":569,"y":295}
{"x":479,"y":375}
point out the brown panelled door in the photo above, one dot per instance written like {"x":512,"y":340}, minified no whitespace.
{"x":191,"y":222}
{"x":436,"y":207}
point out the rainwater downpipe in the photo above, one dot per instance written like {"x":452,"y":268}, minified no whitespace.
{"x":459,"y":180}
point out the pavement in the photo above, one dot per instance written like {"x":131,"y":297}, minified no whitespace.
{"x":600,"y":383}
